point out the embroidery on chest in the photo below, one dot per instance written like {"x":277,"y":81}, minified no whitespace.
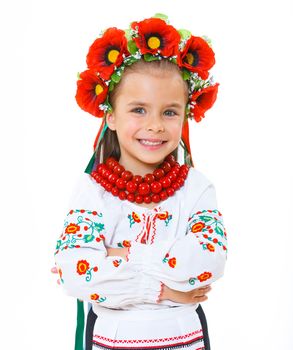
{"x":149,"y":225}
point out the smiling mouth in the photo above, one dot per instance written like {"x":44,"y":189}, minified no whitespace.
{"x":151,"y":142}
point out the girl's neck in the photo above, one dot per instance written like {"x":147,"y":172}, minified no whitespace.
{"x":138,"y":168}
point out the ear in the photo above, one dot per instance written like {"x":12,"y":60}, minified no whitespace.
{"x":110,"y":119}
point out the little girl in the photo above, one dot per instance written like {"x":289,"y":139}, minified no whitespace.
{"x":143,"y":238}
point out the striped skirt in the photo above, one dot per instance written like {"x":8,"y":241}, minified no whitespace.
{"x":177,"y":328}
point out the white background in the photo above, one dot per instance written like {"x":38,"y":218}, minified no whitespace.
{"x":243,"y":145}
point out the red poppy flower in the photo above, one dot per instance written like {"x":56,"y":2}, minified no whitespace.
{"x":82,"y":267}
{"x":91,"y":92}
{"x":107,"y":52}
{"x":163,"y":216}
{"x":155,"y":35}
{"x":204,"y":276}
{"x":203,"y":100}
{"x":197,"y":56}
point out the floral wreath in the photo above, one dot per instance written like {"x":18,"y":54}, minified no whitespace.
{"x":151,"y":39}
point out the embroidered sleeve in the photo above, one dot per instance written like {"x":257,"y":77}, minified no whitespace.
{"x":85,"y":270}
{"x":196,"y":259}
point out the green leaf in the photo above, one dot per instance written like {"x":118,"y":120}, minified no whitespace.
{"x":205,"y":218}
{"x":115,"y":78}
{"x":89,"y":238}
{"x":161,"y":16}
{"x":132,"y":48}
{"x":186,"y":74}
{"x":219,"y":231}
{"x":99,"y":227}
{"x":184,"y":33}
{"x":111,"y":85}
{"x":149,"y":57}
{"x":173,"y":60}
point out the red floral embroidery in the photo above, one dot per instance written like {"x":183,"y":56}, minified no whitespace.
{"x":163,"y":216}
{"x":135,"y":217}
{"x":204,"y":276}
{"x":72,"y":228}
{"x":95,"y":296}
{"x":197,"y":227}
{"x":210,"y":247}
{"x":172,"y":262}
{"x":82,"y":267}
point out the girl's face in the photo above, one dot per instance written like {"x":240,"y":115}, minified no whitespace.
{"x":148,"y":117}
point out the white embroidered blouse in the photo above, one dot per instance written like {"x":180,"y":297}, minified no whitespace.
{"x":181,"y":243}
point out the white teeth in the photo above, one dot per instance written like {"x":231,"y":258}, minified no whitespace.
{"x":150,"y":143}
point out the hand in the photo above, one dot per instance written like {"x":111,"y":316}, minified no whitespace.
{"x":54,"y":270}
{"x":123,"y":252}
{"x":197,"y":295}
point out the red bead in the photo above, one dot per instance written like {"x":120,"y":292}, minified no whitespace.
{"x":107,"y":173}
{"x":176,"y":169}
{"x":108,"y":187}
{"x":171,"y":176}
{"x":130,"y":197}
{"x":127,"y":175}
{"x":122,"y":195}
{"x":156,"y":198}
{"x":171,"y":159}
{"x":101,"y":168}
{"x":170,"y":191}
{"x":163,"y":195}
{"x":147,"y":199}
{"x":104,"y":182}
{"x":184,"y":167}
{"x":113,"y":178}
{"x":138,"y":198}
{"x":137,"y":179}
{"x":166,"y":182}
{"x":159,"y":173}
{"x":156,"y":187}
{"x":120,"y":183}
{"x":131,"y":186}
{"x":111,"y":162}
{"x":175,"y":185}
{"x":115,"y":191}
{"x":149,"y":178}
{"x":144,"y":188}
{"x":166,"y":167}
{"x":118,"y":169}
{"x":180,"y":180}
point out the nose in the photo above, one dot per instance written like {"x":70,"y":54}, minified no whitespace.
{"x":154,"y":123}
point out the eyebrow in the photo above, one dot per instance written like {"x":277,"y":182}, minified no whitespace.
{"x":139,"y":103}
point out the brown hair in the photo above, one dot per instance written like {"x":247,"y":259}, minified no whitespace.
{"x":109,"y":144}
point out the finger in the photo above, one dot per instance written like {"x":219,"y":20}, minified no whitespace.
{"x":201,"y":292}
{"x":200,"y":299}
{"x":54,"y":269}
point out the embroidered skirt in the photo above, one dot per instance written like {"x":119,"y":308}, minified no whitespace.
{"x":177,"y":328}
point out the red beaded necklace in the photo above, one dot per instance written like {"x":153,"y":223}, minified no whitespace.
{"x":155,"y":187}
